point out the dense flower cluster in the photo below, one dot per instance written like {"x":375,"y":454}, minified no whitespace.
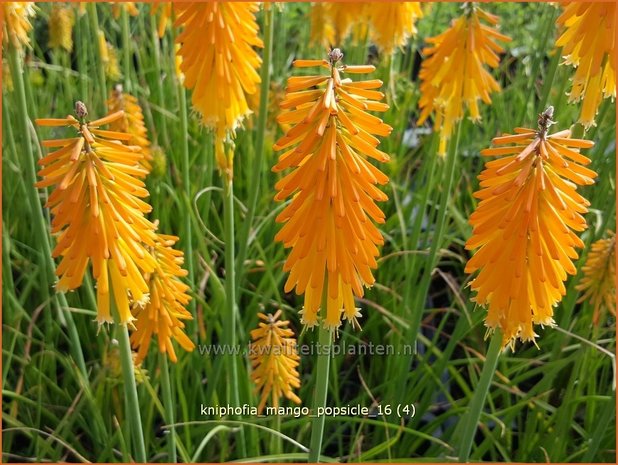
{"x":329,"y":221}
{"x":220,"y":64}
{"x":525,"y":226}
{"x":61,"y":21}
{"x":17,"y":23}
{"x":598,"y":285}
{"x":162,"y":316}
{"x":98,"y":195}
{"x":131,"y":122}
{"x":588,"y":45}
{"x":99,"y":215}
{"x":274,"y":360}
{"x":453,"y":75}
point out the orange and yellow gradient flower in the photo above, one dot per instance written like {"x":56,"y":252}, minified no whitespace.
{"x":274,"y":360}
{"x":525,"y":226}
{"x":162,"y":316}
{"x":98,"y":211}
{"x":220,"y":64}
{"x":588,"y":45}
{"x":598,"y":285}
{"x":131,"y":122}
{"x":393,"y":23}
{"x":453,"y":75}
{"x":329,"y":222}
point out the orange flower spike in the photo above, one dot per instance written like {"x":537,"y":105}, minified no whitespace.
{"x":162,"y":316}
{"x":453,"y":75}
{"x":524,"y":227}
{"x":97,"y":196}
{"x":328,"y":222}
{"x":220,"y":64}
{"x":393,"y":23}
{"x":588,"y":44}
{"x":274,"y":360}
{"x":598,"y":285}
{"x":132,"y":122}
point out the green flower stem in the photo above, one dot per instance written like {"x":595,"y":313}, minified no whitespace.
{"x":255,"y":174}
{"x":325,"y":341}
{"x":81,"y":52}
{"x":126,"y":49}
{"x":469,"y":421}
{"x":161,"y":120}
{"x":46,"y":261}
{"x":168,"y":403}
{"x":102,"y":83}
{"x":229,"y":316}
{"x":133,"y":415}
{"x":186,"y":181}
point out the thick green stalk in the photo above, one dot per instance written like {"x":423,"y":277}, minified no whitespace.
{"x":255,"y":174}
{"x":156,"y":47}
{"x":133,"y":415}
{"x":469,"y":421}
{"x":168,"y":403}
{"x":126,"y":50}
{"x":46,"y":260}
{"x":324,"y":350}
{"x":230,"y":339}
{"x":186,"y":180}
{"x":102,"y":83}
{"x":80,"y":38}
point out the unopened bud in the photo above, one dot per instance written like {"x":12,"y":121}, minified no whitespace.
{"x":80,"y":110}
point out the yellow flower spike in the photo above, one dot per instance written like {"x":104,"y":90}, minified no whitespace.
{"x":524,"y":226}
{"x":17,"y":24}
{"x":61,"y":21}
{"x":132,"y":122}
{"x":588,"y":44}
{"x":162,"y":316}
{"x":274,"y":360}
{"x":219,"y":61}
{"x":98,"y":212}
{"x":164,"y":10}
{"x":453,"y":75}
{"x":393,"y":23}
{"x":329,"y":222}
{"x":598,"y":285}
